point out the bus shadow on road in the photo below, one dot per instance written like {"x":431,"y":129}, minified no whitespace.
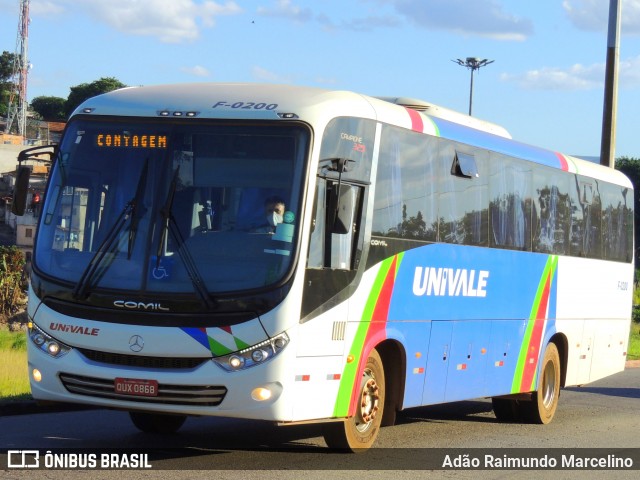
{"x":472,"y":411}
{"x":221,"y":435}
{"x":622,"y":392}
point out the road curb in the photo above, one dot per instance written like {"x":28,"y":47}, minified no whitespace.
{"x":632,"y":364}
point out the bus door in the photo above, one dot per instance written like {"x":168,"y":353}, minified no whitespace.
{"x":437,"y":362}
{"x":468,"y":359}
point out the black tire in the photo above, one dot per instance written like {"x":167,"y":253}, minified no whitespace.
{"x":157,"y":422}
{"x":358,"y":433}
{"x":544,"y":403}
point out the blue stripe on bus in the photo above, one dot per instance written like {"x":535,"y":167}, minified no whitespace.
{"x":478,"y":138}
{"x":448,"y":309}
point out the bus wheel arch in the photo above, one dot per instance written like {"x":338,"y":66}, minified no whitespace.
{"x":359,"y":432}
{"x":562,"y":344}
{"x":394,"y":360}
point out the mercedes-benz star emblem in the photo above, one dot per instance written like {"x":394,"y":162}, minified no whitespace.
{"x":136,"y":343}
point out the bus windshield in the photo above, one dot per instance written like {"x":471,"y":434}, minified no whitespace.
{"x":172,"y":207}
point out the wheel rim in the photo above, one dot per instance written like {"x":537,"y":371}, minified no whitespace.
{"x":369,"y":401}
{"x":549,"y":385}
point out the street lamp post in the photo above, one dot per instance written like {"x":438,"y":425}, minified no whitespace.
{"x":610,"y":104}
{"x":473,"y":64}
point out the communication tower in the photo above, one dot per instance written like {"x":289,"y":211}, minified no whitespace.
{"x":17,"y":110}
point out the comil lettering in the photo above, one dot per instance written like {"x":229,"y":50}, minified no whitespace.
{"x":450,"y":282}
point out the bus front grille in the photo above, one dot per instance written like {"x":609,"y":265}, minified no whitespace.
{"x":197,"y":395}
{"x":140,"y":361}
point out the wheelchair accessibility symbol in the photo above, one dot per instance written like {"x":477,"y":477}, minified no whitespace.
{"x":160,"y":273}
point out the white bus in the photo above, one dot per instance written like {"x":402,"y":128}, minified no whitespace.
{"x":300,"y":255}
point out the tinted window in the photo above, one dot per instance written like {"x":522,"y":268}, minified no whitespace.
{"x":510,"y":207}
{"x":586,"y":218}
{"x":551,"y":213}
{"x":463,"y":201}
{"x":406,"y":186}
{"x":616,"y":222}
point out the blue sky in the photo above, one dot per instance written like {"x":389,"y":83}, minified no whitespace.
{"x":545,"y":86}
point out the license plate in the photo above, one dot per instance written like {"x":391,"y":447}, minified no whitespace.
{"x":136,"y":387}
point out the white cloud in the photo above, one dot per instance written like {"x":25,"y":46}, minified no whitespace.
{"x":264,"y":75}
{"x":197,"y":71}
{"x":44,"y":7}
{"x":576,"y":77}
{"x":593,"y":15}
{"x":483,"y":18}
{"x":171,"y":21}
{"x":287,"y":9}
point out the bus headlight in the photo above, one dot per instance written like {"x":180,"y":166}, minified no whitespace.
{"x":254,"y":355}
{"x":46,"y":342}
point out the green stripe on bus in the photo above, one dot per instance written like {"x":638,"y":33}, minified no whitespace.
{"x":341,"y":408}
{"x":435,"y":126}
{"x":549,"y":268}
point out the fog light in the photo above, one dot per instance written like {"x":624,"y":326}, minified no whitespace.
{"x":37,"y":376}
{"x":261,"y":394}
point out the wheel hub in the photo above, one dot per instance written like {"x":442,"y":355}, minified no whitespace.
{"x":369,"y":402}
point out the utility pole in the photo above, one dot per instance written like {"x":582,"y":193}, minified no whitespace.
{"x":17,"y":110}
{"x":610,"y":106}
{"x":472,"y":63}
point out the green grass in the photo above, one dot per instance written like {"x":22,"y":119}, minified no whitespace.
{"x":633,"y":351}
{"x":14,"y":377}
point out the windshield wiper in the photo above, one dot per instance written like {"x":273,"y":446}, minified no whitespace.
{"x":137,"y":209}
{"x":133,"y":210}
{"x":169,"y":226}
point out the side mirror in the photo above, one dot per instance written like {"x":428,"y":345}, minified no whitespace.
{"x":343,"y":209}
{"x":21,"y":190}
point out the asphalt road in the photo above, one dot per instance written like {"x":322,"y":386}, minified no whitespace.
{"x":604,"y":415}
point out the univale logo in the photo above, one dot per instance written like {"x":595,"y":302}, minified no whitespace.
{"x":458,"y":282}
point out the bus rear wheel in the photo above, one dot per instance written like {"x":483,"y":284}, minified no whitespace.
{"x":359,"y":432}
{"x":157,"y":422}
{"x":544,"y":403}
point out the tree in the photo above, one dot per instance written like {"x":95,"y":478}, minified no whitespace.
{"x":81,"y":92}
{"x":6,"y":65}
{"x":11,"y":275}
{"x":631,"y":168}
{"x":7,"y":60}
{"x":49,"y":108}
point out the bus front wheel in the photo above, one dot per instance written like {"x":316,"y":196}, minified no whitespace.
{"x":544,"y":403}
{"x":359,"y":432}
{"x":157,"y":422}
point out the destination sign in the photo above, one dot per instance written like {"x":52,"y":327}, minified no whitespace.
{"x":118,"y":140}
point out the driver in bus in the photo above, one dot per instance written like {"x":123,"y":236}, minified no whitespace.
{"x":273,"y":210}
